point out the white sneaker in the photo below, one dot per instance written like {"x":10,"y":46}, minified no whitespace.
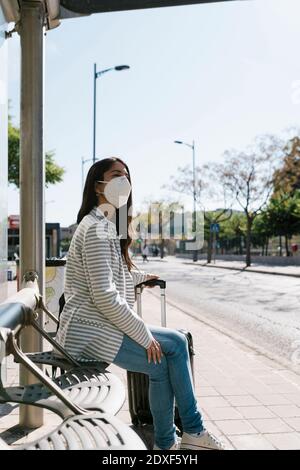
{"x":204,"y":441}
{"x":175,"y":446}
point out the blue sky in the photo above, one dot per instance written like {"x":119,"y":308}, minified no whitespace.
{"x":219,"y":74}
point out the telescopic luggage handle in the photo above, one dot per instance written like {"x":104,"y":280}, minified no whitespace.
{"x":152,"y":283}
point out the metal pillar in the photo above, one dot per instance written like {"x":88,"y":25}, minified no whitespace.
{"x":195,"y":253}
{"x":32,"y":176}
{"x":95,"y":107}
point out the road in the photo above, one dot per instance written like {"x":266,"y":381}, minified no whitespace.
{"x":261,"y":309}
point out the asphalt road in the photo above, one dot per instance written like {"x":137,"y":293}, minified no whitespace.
{"x":261,"y":309}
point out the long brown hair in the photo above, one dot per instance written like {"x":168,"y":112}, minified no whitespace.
{"x":89,"y":200}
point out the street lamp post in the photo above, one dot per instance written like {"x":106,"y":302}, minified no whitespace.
{"x":96,"y":75}
{"x":192,"y":146}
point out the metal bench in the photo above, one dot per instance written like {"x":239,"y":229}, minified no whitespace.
{"x":106,"y":393}
{"x":88,"y":387}
{"x":89,"y":383}
{"x":93,"y":431}
{"x":58,"y":358}
{"x":71,"y":395}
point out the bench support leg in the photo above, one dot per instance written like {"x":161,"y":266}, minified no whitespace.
{"x":31,"y":367}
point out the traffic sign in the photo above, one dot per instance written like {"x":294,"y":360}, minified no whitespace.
{"x":215,"y":228}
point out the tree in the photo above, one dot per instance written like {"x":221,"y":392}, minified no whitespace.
{"x":248,"y":176}
{"x":183,"y":181}
{"x":211,"y":218}
{"x":204,"y":190}
{"x":54,"y":173}
{"x":287,"y":178}
{"x":155,"y":223}
{"x":283,"y":216}
{"x":232,"y":232}
{"x":214,"y":193}
{"x":262,"y":231}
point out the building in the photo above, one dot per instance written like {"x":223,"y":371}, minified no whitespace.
{"x":52,"y":238}
{"x":66,"y":233}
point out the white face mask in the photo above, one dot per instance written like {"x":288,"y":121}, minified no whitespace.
{"x":117,"y":191}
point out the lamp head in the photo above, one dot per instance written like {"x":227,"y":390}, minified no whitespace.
{"x":122,"y":67}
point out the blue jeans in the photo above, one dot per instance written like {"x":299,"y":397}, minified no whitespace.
{"x":169,"y":380}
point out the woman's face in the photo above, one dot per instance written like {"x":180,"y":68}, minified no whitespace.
{"x":116,"y":170}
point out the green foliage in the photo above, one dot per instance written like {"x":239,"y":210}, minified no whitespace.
{"x":54,"y":173}
{"x":287,"y":178}
{"x":65,"y":244}
{"x":283,"y":214}
{"x":13,"y":154}
{"x":232,"y":230}
{"x":280,"y":218}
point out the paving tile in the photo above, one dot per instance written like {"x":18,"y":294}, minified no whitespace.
{"x":235,"y":427}
{"x":201,"y":382}
{"x":251,"y":442}
{"x":226,"y":442}
{"x":286,"y":411}
{"x":217,"y":379}
{"x":242,"y":400}
{"x":205,"y":416}
{"x":273,"y":399}
{"x":286,"y":388}
{"x":290,"y":376}
{"x":255,"y":412}
{"x":270,"y":363}
{"x":286,"y":441}
{"x":210,"y":426}
{"x":211,"y":402}
{"x":223,"y":413}
{"x":273,"y":379}
{"x":293,"y":423}
{"x":257,"y":388}
{"x":293,"y":397}
{"x":207,"y":392}
{"x":273,"y":425}
{"x":224,"y":390}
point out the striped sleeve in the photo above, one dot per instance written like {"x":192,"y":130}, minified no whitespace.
{"x":138,"y":276}
{"x":103,"y":289}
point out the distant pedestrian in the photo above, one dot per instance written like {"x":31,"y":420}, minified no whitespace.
{"x":145,"y":253}
{"x":155,"y":251}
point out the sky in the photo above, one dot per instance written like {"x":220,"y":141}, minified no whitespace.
{"x":218,"y":74}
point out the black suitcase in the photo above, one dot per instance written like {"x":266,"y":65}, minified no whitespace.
{"x":138,"y":384}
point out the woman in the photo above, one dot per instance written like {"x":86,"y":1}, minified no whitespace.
{"x":98,"y":320}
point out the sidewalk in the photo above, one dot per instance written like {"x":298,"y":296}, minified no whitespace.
{"x":293,"y":271}
{"x":248,"y":400}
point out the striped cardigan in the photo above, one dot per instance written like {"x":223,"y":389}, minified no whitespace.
{"x":99,"y":293}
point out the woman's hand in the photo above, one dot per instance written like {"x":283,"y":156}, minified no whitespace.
{"x":154,"y":352}
{"x":151,"y":277}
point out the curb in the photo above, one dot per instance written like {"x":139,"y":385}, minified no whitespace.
{"x":245,"y":269}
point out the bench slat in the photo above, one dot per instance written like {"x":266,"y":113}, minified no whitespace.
{"x":94,"y":431}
